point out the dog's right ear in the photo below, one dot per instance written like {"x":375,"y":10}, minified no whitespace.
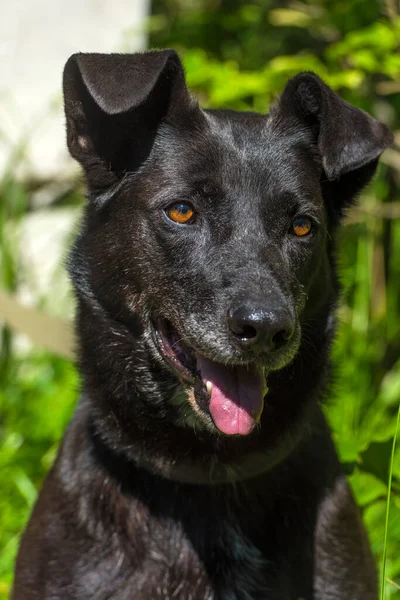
{"x":347,"y":140}
{"x":114,"y":104}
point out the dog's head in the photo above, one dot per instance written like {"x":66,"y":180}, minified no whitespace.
{"x":213,"y":228}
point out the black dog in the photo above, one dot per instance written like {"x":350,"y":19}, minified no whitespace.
{"x":204,"y":272}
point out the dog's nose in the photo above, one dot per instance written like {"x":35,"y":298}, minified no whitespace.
{"x":264,"y":328}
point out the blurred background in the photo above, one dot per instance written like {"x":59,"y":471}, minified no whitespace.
{"x":237,"y":55}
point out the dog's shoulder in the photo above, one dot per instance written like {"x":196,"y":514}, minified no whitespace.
{"x":344,"y":563}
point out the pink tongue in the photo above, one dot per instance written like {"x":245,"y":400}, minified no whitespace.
{"x":237,"y":396}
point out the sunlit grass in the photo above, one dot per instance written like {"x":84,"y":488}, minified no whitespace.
{"x":389,"y":491}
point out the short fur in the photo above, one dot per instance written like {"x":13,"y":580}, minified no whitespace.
{"x":147,"y":499}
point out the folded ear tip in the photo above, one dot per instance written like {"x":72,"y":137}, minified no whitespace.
{"x":367,"y":152}
{"x":71,"y":59}
{"x":71,"y":63}
{"x":118,"y":82}
{"x":73,"y":71}
{"x":85,"y":60}
{"x":347,"y":137}
{"x":384,"y":138}
{"x":388,"y":137}
{"x":70,"y":72}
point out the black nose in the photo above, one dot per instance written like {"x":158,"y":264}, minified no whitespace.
{"x":265,"y":328}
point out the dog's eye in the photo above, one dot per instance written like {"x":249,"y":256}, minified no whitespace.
{"x":180,"y":212}
{"x":301,"y":226}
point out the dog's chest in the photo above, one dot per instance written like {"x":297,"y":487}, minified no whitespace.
{"x":246,"y":569}
{"x":218,"y":563}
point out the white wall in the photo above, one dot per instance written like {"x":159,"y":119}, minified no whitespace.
{"x":36,"y":38}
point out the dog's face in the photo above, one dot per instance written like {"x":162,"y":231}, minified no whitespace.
{"x":232,"y":242}
{"x":214,"y":228}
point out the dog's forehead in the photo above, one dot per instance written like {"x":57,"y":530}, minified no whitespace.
{"x":238,"y":154}
{"x":238,"y":149}
{"x":245,"y":134}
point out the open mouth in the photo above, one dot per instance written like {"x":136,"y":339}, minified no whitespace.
{"x":234,"y":393}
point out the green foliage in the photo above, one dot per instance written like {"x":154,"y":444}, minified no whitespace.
{"x":37,"y":396}
{"x":240,"y":55}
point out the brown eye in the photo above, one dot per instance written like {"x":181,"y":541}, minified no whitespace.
{"x":180,"y":213}
{"x":301,"y":226}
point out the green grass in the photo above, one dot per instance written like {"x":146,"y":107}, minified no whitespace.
{"x":37,"y":397}
{"x":389,"y":492}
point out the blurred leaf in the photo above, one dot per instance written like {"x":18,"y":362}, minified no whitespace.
{"x":376,"y":459}
{"x":287,"y":17}
{"x":25,"y":487}
{"x":367,"y":488}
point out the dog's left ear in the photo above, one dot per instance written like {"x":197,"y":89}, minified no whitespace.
{"x":114,"y":106}
{"x":349,"y":141}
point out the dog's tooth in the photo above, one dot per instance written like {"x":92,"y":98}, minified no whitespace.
{"x":209,"y":387}
{"x":266,"y":373}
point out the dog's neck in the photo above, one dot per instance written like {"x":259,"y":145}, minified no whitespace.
{"x":119,"y":377}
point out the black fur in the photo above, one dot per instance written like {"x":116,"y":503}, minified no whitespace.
{"x":147,"y":499}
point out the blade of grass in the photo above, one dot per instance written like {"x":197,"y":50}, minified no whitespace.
{"x":383,"y":580}
{"x":393,"y":583}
